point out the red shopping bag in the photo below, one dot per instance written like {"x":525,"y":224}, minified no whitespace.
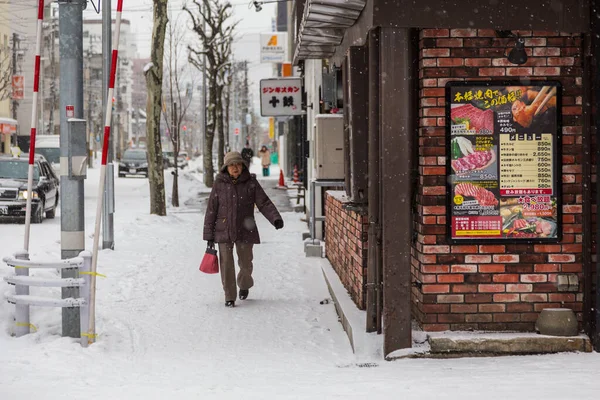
{"x":210,"y":262}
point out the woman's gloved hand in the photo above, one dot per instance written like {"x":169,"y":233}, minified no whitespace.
{"x":278,"y":224}
{"x":211,"y":244}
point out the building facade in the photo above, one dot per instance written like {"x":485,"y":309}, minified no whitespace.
{"x":419,"y":237}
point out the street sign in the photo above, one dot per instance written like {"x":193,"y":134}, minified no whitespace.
{"x":236,"y":131}
{"x":70,"y":111}
{"x":273,"y":47}
{"x":280,"y":97}
{"x":18,"y":85}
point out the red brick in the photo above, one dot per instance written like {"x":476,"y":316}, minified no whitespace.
{"x":534,"y":278}
{"x":519,"y":288}
{"x":452,"y":318}
{"x":463,"y":268}
{"x":546,"y":71}
{"x":572,"y":248}
{"x":464,"y":249}
{"x":572,"y":110}
{"x":429,"y":82}
{"x":506,"y":258}
{"x":451,"y":298}
{"x":450,"y":278}
{"x":492,"y":249}
{"x":428,"y":62}
{"x":429,"y":102}
{"x":463,"y":308}
{"x":492,"y":308}
{"x":438,"y":92}
{"x":429,"y":220}
{"x":492,"y":72}
{"x":572,"y":209}
{"x":492,"y":268}
{"x":534,"y":297}
{"x":459,"y":288}
{"x":561,"y":61}
{"x":494,"y":288}
{"x":507,"y":317}
{"x":478,"y":62}
{"x":436,"y":53}
{"x":562,"y":297}
{"x":519,"y":71}
{"x":434,"y":190}
{"x":435,"y":308}
{"x":436,"y":327}
{"x":546,"y":51}
{"x":478,"y":318}
{"x":561,"y":258}
{"x":463,"y":32}
{"x":435,"y":210}
{"x":535,"y":42}
{"x":434,"y":170}
{"x":436,"y":289}
{"x":450,"y":62}
{"x":505,"y":278}
{"x":506,"y":298}
{"x":477,"y":259}
{"x":546,"y":248}
{"x":434,"y":112}
{"x":546,"y":267}
{"x":435,"y":269}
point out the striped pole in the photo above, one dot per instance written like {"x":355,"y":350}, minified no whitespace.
{"x":34,"y":115}
{"x":107,"y":118}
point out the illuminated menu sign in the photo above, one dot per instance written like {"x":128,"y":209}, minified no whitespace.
{"x":503,"y":161}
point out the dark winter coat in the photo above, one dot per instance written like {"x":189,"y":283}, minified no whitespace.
{"x":247,"y":155}
{"x":230,"y":212}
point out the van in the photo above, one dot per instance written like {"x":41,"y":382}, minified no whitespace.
{"x":49,"y":147}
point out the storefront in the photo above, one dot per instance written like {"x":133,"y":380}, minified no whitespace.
{"x":8,"y":128}
{"x":479,"y":128}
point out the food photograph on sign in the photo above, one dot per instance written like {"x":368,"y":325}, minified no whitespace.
{"x":502,"y":160}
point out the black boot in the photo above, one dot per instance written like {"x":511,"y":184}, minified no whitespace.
{"x":244,"y":294}
{"x":230,"y":304}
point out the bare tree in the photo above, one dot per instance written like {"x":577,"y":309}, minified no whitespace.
{"x":179,"y":99}
{"x":154,"y":81}
{"x":5,"y":73}
{"x":211,"y":23}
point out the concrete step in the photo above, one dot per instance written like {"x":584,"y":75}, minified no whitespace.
{"x":463,"y":344}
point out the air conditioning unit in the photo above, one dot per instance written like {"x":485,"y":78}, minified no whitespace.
{"x":329,"y":146}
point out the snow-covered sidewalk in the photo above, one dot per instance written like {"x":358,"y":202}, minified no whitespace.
{"x":164,"y":332}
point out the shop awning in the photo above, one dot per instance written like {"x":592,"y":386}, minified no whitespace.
{"x":323,"y":25}
{"x":8,"y":125}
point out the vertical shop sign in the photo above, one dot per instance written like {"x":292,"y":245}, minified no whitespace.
{"x":503,"y":161}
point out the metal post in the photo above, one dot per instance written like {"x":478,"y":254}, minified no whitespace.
{"x":72,"y":192}
{"x":85,"y":295}
{"x":312,"y":211}
{"x":15,"y":103}
{"x":22,"y":323}
{"x":107,"y":214}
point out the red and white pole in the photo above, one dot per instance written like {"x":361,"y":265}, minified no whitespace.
{"x":34,"y":120}
{"x":107,"y":120}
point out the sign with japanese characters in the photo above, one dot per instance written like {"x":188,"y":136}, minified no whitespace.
{"x":18,"y":85}
{"x":273,"y":47}
{"x":503,"y":161}
{"x":280,"y":97}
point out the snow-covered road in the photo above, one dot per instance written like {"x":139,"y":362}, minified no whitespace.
{"x":164,"y":332}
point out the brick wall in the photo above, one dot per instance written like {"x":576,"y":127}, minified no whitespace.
{"x":346,"y":234}
{"x":492,"y":287}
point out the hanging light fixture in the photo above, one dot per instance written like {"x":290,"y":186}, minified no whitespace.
{"x":518,"y":55}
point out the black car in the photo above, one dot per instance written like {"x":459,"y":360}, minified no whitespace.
{"x":13,"y":188}
{"x":134,"y":162}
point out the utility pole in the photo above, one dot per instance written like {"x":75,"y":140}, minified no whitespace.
{"x":71,"y":184}
{"x":109,"y":192}
{"x":15,"y":103}
{"x":53,"y":73}
{"x":88,"y":73}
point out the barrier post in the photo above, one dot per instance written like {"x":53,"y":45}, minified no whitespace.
{"x":84,"y":293}
{"x":22,"y":323}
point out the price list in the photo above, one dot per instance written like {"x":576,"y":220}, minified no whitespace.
{"x":526,"y":164}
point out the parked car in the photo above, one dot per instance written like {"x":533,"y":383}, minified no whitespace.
{"x":133,"y":162}
{"x":13,"y":188}
{"x":49,"y":147}
{"x":182,"y":159}
{"x":168,"y":159}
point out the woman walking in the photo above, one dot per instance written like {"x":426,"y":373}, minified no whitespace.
{"x":229,"y":222}
{"x":265,"y":160}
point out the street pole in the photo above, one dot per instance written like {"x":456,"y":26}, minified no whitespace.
{"x":109,"y":199}
{"x":15,"y":103}
{"x":72,"y":192}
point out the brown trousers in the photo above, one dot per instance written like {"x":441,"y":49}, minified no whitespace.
{"x":227,"y":267}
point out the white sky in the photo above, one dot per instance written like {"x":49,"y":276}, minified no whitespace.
{"x":251,"y":24}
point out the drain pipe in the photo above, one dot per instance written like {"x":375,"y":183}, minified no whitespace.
{"x":595,"y":35}
{"x":374,"y":269}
